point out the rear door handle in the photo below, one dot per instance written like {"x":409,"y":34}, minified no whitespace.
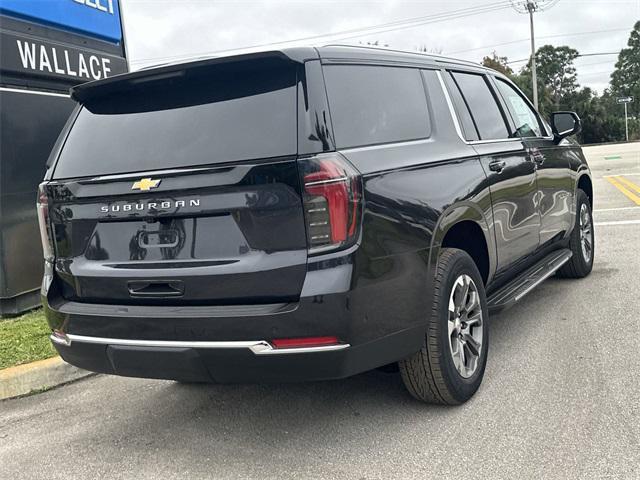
{"x":497,"y":165}
{"x":537,"y":156}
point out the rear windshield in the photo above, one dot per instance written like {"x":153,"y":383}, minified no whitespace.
{"x":227,"y":114}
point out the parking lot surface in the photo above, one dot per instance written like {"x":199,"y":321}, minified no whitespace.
{"x":560,"y":398}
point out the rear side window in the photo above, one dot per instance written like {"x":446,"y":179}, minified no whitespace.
{"x":525,"y":118}
{"x":372,"y":104}
{"x":484,"y":108}
{"x":462,"y":110}
{"x":226,"y":113}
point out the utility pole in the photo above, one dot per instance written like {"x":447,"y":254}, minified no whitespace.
{"x":530,"y":7}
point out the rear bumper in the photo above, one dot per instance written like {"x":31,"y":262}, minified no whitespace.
{"x":377,"y":320}
{"x":229,"y":362}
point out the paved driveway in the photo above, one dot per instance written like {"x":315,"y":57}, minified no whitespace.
{"x":561,"y":398}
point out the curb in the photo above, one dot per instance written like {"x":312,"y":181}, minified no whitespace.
{"x":37,"y":376}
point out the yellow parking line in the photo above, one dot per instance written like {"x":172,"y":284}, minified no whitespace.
{"x":628,"y":193}
{"x":629,"y":183}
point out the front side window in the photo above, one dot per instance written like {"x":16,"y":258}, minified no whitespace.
{"x":373,"y":104}
{"x":484,"y":108}
{"x":525,"y":118}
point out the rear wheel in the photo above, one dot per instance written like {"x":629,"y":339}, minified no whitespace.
{"x":450,"y":366}
{"x":582,"y":241}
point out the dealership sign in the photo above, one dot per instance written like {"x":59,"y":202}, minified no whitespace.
{"x":94,"y":18}
{"x":71,"y":42}
{"x":37,"y":57}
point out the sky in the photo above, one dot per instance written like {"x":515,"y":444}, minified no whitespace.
{"x":160,"y":31}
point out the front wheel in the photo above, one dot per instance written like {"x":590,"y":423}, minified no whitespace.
{"x":582,"y":241}
{"x":450,"y":366}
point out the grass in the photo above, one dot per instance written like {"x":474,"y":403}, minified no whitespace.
{"x":25,"y":339}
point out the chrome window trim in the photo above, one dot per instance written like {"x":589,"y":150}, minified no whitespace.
{"x":456,"y":121}
{"x":258,"y":347}
{"x":452,"y":111}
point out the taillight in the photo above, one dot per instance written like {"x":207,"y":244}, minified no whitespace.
{"x":304,"y":342}
{"x":45,"y":225}
{"x":332,"y":202}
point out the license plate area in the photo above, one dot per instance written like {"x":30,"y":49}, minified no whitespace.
{"x":168,"y":238}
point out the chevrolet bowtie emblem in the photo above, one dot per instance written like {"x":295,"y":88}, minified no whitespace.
{"x":145,"y":184}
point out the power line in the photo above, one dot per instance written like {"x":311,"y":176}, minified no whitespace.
{"x":577,"y":56}
{"x":561,"y":35}
{"x":356,"y":32}
{"x":525,"y":6}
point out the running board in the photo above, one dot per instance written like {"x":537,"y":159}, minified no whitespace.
{"x":517,"y":288}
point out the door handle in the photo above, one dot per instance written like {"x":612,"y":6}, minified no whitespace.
{"x":497,"y":166}
{"x":537,"y":156}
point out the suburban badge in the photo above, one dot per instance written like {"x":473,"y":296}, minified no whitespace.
{"x":146,"y":184}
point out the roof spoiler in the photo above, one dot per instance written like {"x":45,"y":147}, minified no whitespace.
{"x":85,"y":91}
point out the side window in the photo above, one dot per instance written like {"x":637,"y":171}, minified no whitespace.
{"x":372,"y":104}
{"x":525,"y":119}
{"x":484,"y":108}
{"x":469,"y":130}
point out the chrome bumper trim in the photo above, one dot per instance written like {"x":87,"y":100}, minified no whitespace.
{"x":258,"y":347}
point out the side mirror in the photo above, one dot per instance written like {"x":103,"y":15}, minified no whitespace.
{"x":565,"y":124}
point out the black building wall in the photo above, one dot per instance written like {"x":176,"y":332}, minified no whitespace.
{"x":34,"y":106}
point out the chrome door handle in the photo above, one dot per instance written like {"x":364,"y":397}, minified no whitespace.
{"x":537,"y":156}
{"x":497,"y":165}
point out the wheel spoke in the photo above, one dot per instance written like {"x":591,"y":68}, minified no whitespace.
{"x":465,"y":291}
{"x":472,"y":345}
{"x":451,"y":327}
{"x":462,"y":356}
{"x":475,"y":319}
{"x":473,"y":302}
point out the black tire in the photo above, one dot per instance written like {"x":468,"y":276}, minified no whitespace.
{"x":430,"y":375}
{"x":578,"y":266}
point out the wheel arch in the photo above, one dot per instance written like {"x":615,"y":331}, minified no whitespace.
{"x":586,"y":185}
{"x":465,"y":226}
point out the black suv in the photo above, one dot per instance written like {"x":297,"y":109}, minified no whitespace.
{"x":305,"y":214}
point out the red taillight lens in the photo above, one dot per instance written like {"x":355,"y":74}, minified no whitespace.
{"x":332,"y":202}
{"x":45,"y":226}
{"x":304,"y":342}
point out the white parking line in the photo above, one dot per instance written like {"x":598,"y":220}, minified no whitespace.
{"x":615,"y":209}
{"x":619,"y":222}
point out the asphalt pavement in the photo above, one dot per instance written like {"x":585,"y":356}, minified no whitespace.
{"x":560,"y":398}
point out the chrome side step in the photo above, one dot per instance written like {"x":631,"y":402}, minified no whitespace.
{"x":513,"y":291}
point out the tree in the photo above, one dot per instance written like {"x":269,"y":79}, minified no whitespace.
{"x":625,"y":79}
{"x":497,"y":63}
{"x":556,"y":73}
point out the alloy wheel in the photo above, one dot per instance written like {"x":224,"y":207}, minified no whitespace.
{"x":465,"y":324}
{"x":586,"y":233}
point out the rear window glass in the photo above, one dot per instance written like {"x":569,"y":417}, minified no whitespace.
{"x":372,"y":105}
{"x":223,"y":115}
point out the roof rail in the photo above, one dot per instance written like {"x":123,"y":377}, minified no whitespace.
{"x":436,"y":56}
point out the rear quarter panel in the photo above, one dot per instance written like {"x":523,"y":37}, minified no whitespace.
{"x":414,"y":192}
